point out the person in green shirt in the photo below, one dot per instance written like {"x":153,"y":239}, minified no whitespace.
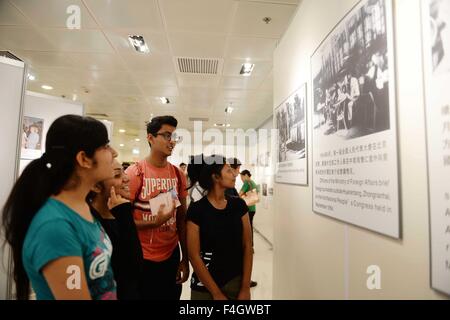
{"x":249,"y":185}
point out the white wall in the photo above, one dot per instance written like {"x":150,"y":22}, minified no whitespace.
{"x":319,"y":258}
{"x":11,"y":92}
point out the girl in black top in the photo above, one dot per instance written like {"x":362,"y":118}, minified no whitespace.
{"x":219,"y":236}
{"x":109,"y":205}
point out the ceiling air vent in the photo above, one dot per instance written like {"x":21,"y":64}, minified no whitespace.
{"x":199,"y":65}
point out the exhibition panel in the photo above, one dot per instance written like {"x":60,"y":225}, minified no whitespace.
{"x":290,"y":117}
{"x":12,"y":86}
{"x":355,"y":174}
{"x":436,"y":34}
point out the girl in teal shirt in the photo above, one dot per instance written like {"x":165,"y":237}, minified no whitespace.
{"x":56,"y":243}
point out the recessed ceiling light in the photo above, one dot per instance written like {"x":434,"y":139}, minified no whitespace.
{"x":247,"y":69}
{"x":139,"y":44}
{"x":122,"y":130}
{"x":222,"y":125}
{"x":121,"y":145}
{"x":74,"y":97}
{"x":136,"y":151}
{"x":46,"y":87}
{"x":164,"y":100}
{"x":137,"y":139}
{"x":31,"y":77}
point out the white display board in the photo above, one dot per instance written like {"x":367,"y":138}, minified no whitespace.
{"x":12,"y":79}
{"x":355,"y":159}
{"x":110,"y":127}
{"x":40,"y":110}
{"x":290,"y":121}
{"x":436,"y":18}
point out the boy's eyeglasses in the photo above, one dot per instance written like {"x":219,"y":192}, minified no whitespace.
{"x":171,"y":137}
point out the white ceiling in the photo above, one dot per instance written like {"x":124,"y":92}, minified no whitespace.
{"x":126,"y":85}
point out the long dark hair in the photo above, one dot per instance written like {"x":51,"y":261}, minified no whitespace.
{"x":44,"y":177}
{"x":201,"y":169}
{"x":194,"y":168}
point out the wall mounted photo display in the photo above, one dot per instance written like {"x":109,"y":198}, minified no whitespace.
{"x":264,"y":159}
{"x":31,"y":139}
{"x":436,"y":46}
{"x":290,"y":122}
{"x":355,"y":154}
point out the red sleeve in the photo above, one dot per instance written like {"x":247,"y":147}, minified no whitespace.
{"x":183,"y":191}
{"x":135,"y":183}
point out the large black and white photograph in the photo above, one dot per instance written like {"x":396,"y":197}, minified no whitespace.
{"x":290,"y":120}
{"x":354,"y":121}
{"x":351,"y":76}
{"x":436,"y":35}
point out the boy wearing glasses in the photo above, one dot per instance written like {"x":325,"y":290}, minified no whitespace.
{"x":160,"y":232}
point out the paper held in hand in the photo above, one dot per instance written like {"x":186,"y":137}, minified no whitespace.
{"x":251,"y":198}
{"x":165,"y":198}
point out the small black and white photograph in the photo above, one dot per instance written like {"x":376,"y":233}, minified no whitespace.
{"x":351,"y":73}
{"x":32,"y":133}
{"x":440,"y":35}
{"x":264,"y":189}
{"x":264,"y":159}
{"x":291,"y":125}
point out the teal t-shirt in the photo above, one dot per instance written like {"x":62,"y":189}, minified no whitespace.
{"x":57,"y":231}
{"x":246,"y":187}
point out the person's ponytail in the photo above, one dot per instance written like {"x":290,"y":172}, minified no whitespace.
{"x":194,"y":169}
{"x":37,"y":183}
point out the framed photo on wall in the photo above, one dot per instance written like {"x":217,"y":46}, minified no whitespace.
{"x":31,"y":139}
{"x":355,"y":157}
{"x":436,"y":53}
{"x":290,"y":122}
